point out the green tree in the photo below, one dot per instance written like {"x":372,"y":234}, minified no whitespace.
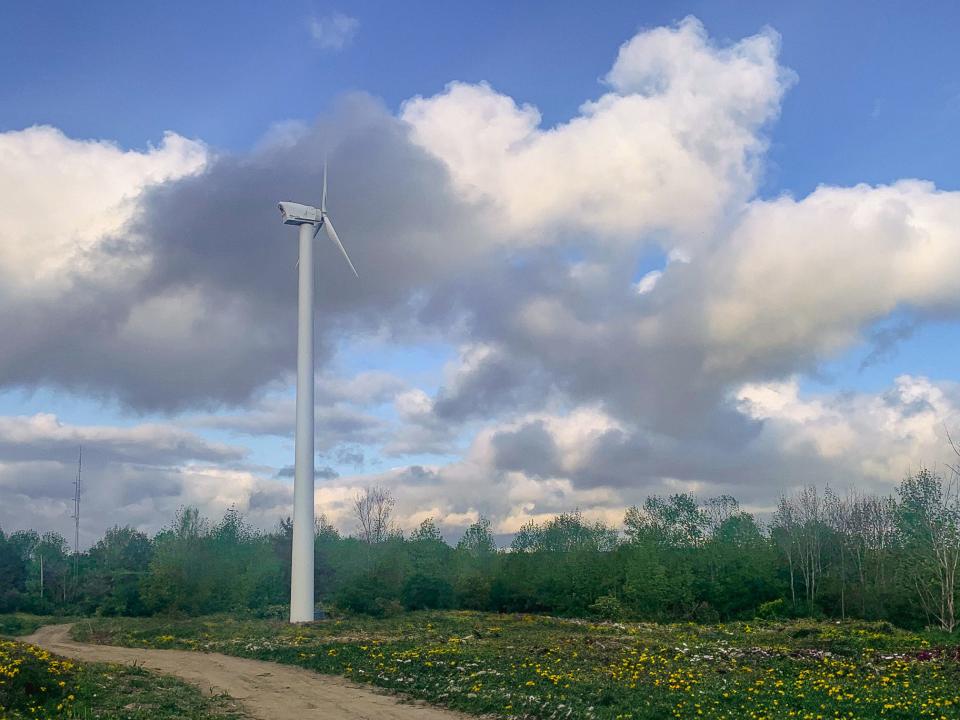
{"x":430,"y":583}
{"x":116,"y":566}
{"x":929,"y":522}
{"x":735,"y":570}
{"x":180,"y":579}
{"x":13,"y":575}
{"x":475,"y":559}
{"x":674,"y":521}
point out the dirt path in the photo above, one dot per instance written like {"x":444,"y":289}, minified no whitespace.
{"x":267,"y":690}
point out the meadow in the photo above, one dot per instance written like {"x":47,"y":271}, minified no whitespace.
{"x":37,"y":684}
{"x":529,"y":666}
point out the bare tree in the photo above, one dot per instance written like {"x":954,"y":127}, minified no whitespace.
{"x":798,"y":526}
{"x":718,"y":510}
{"x":880,"y":518}
{"x":322,"y":527}
{"x":871,"y":534}
{"x":373,"y":508}
{"x":785,"y":532}
{"x":837,"y":511}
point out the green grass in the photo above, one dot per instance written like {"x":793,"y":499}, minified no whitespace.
{"x":36,"y":684}
{"x":130,"y":693}
{"x":522,"y":666}
{"x":15,"y":624}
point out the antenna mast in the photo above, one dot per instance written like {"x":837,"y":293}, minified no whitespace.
{"x":76,"y":517}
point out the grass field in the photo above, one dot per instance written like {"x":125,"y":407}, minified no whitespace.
{"x":523,"y":666}
{"x":36,"y":684}
{"x":15,"y":624}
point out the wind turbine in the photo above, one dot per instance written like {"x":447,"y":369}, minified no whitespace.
{"x":311,"y":221}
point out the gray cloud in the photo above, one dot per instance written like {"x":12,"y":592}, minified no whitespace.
{"x":334,"y":424}
{"x":418,"y":475}
{"x":363,"y":389}
{"x":322,"y":473}
{"x":530,"y":449}
{"x":271,"y":499}
{"x":326,"y":473}
{"x":44,"y":437}
{"x":485,"y":236}
{"x":496,"y":383}
{"x":207,"y":314}
{"x":350,"y":456}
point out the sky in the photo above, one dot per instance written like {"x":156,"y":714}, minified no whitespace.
{"x":603,"y":252}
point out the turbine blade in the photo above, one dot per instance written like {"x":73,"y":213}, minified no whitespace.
{"x":323,"y":200}
{"x":332,"y":234}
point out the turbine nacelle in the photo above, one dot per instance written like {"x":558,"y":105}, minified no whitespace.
{"x":296,"y":214}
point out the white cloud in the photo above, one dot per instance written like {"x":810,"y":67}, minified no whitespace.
{"x":672,"y":145}
{"x":872,"y":439}
{"x":648,"y":282}
{"x":806,"y":277}
{"x":62,"y":198}
{"x":335,"y":31}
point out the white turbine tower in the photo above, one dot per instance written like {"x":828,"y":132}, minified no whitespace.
{"x":311,"y":221}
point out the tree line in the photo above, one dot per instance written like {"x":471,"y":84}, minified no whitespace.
{"x":821,"y":554}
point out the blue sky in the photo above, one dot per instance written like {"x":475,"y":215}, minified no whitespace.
{"x":876,"y":100}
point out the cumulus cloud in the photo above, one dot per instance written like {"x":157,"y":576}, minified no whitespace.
{"x":64,"y":198}
{"x":673,"y":143}
{"x":421,"y":430}
{"x":874,"y":438}
{"x":581,"y":382}
{"x":805,"y":278}
{"x":203,"y":311}
{"x":363,"y":389}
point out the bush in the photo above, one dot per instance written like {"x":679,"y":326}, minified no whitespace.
{"x":607,"y":607}
{"x":366,"y":595}
{"x":271,"y":612}
{"x":473,"y":592}
{"x":705,"y":614}
{"x":425,"y":592}
{"x":22,"y":624}
{"x":772,"y":610}
{"x":388,"y":608}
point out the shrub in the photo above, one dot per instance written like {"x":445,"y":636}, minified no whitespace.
{"x":772,"y":610}
{"x":704,"y":614}
{"x":387,"y":608}
{"x":426,"y":592}
{"x":607,"y":607}
{"x":366,"y":594}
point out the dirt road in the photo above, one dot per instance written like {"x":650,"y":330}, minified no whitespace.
{"x":267,"y":690}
